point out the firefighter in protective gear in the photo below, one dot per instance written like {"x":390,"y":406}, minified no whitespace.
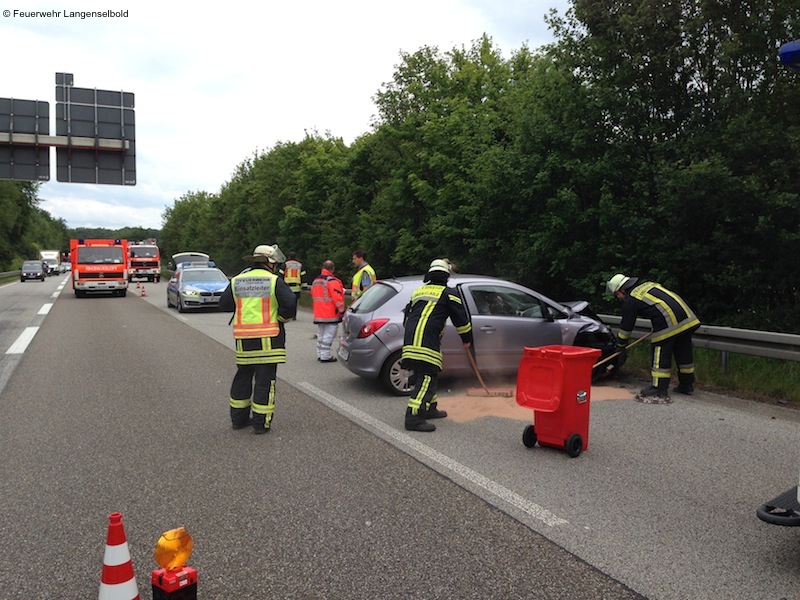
{"x":327,"y":294}
{"x":426,"y":315}
{"x":365,"y":274}
{"x":293,"y":274}
{"x":673,"y":324}
{"x":261,"y":302}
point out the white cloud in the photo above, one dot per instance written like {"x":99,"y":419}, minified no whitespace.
{"x":213,"y":85}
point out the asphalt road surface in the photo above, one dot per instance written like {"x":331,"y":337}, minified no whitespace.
{"x":119,"y":404}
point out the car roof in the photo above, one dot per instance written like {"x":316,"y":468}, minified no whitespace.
{"x":460,"y":278}
{"x":190,"y":270}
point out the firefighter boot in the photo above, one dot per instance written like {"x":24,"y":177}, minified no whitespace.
{"x":260,"y":424}
{"x":685,"y":383}
{"x":415,"y":422}
{"x":654,"y":395}
{"x":434,"y":413}
{"x":240,"y":418}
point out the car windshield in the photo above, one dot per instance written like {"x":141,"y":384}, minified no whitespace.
{"x":31,"y":265}
{"x":144,"y":251}
{"x":92,"y":255}
{"x":376,"y":296}
{"x":204,"y":275}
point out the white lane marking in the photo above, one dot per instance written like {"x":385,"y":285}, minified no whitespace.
{"x":21,"y":343}
{"x":530,"y":508}
{"x":45,"y":308}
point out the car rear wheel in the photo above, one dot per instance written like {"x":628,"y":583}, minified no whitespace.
{"x":394,"y":377}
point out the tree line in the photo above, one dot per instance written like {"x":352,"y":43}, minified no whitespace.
{"x":657,"y":139}
{"x":26,"y":228}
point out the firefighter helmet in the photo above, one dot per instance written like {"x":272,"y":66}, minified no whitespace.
{"x":616,"y":283}
{"x":440,"y":264}
{"x":266,"y":253}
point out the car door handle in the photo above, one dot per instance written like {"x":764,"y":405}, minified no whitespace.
{"x":488,"y":329}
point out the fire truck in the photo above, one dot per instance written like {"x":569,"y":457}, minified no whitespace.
{"x":99,"y":266}
{"x":145,"y":261}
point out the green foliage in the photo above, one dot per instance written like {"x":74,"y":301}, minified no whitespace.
{"x":656,"y":139}
{"x":24,"y":227}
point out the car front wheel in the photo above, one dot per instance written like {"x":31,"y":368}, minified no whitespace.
{"x":395,"y":378}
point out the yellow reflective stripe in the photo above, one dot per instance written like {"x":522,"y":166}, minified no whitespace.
{"x":667,"y":333}
{"x":416,"y":401}
{"x":423,"y":323}
{"x":240,"y":403}
{"x":268,"y":408}
{"x":424,"y":354}
{"x":464,"y":328}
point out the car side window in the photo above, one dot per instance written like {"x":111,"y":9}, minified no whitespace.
{"x":498,"y":300}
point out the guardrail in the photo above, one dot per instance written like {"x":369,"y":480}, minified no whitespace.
{"x":768,"y":344}
{"x":9,"y":273}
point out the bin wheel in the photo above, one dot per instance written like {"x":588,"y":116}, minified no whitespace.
{"x":574,"y":445}
{"x":529,"y":437}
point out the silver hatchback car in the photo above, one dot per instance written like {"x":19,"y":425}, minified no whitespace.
{"x":506,"y":317}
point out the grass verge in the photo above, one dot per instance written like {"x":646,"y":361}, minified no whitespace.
{"x":753,"y":377}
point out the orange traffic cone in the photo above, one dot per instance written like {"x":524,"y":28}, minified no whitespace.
{"x":137,"y":284}
{"x":143,"y":292}
{"x":118,"y":581}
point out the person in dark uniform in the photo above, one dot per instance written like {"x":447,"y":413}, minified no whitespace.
{"x":673,"y":324}
{"x":426,"y":315}
{"x":261,"y":302}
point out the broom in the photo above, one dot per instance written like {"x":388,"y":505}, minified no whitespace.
{"x":625,"y":349}
{"x":485,"y":391}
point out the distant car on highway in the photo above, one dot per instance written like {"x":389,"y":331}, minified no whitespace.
{"x":506,"y":317}
{"x":32,"y":269}
{"x":196,"y":287}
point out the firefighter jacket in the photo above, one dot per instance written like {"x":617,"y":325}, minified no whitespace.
{"x":363,"y":278}
{"x":426,"y":315}
{"x":261,"y":302}
{"x":668,"y":313}
{"x":327,"y":294}
{"x":293,"y":274}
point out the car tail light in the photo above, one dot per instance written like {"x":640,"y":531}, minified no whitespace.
{"x":371,"y":327}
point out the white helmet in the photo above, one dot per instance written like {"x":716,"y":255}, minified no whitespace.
{"x":441,"y":264}
{"x":266,"y":253}
{"x":616,"y":282}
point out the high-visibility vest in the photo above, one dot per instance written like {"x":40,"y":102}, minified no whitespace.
{"x":328,"y":297}
{"x":292,"y":274}
{"x":363,"y":278}
{"x":256,"y":305}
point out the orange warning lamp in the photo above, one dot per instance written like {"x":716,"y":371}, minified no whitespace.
{"x":173,"y":549}
{"x":174,"y":580}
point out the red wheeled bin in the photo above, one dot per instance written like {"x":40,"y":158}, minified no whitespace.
{"x":556,"y":381}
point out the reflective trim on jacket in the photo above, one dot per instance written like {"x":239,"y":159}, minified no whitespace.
{"x":668,"y":313}
{"x":428,"y":311}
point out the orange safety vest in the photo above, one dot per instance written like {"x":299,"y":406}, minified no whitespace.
{"x":256,"y":305}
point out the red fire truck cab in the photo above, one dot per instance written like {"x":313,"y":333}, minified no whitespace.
{"x":99,"y":266}
{"x":145,"y":262}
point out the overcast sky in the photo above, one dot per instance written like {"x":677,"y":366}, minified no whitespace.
{"x":217,"y":84}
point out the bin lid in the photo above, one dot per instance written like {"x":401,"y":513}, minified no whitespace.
{"x":539,"y":382}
